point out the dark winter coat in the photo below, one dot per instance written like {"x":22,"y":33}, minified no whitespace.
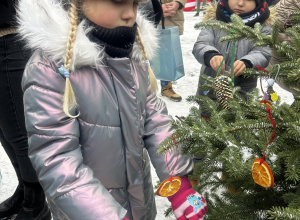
{"x":152,"y":9}
{"x":7,"y":13}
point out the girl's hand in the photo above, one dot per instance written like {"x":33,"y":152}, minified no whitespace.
{"x":187,"y":204}
{"x":215,"y":62}
{"x":238,"y":68}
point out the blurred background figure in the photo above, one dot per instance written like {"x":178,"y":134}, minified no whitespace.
{"x":199,"y":6}
{"x":173,"y":16}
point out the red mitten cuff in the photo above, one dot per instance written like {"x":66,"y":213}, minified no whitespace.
{"x":187,"y":203}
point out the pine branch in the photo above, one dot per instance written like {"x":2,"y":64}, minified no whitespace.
{"x":233,"y":214}
{"x":284,"y":213}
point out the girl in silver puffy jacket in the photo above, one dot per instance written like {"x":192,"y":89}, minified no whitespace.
{"x":92,"y":116}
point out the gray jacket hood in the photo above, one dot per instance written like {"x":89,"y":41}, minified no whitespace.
{"x":52,"y":35}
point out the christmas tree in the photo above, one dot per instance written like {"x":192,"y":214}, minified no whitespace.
{"x":231,"y":138}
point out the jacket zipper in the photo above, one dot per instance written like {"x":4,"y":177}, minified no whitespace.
{"x":124,"y":148}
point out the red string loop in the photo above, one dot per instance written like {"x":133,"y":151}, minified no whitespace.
{"x":274,"y":126}
{"x":260,"y":68}
{"x":269,"y":117}
{"x":262,"y":159}
{"x":266,"y":71}
{"x":273,"y":134}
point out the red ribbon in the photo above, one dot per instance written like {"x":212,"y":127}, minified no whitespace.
{"x":260,"y":68}
{"x":273,"y":134}
{"x":274,"y":125}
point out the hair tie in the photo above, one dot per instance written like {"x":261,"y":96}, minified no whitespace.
{"x":63,"y":71}
{"x":147,"y":62}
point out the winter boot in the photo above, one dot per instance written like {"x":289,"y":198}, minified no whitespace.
{"x":13,"y":204}
{"x":169,"y":92}
{"x":34,"y":206}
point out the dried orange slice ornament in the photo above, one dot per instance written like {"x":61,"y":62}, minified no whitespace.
{"x":267,"y":103}
{"x":169,"y":186}
{"x":262,"y":173}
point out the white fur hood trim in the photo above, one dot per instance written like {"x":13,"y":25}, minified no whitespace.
{"x":44,"y":24}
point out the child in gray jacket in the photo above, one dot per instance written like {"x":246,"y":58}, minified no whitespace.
{"x":209,"y":51}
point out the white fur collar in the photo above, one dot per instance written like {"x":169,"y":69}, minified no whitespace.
{"x":44,"y":24}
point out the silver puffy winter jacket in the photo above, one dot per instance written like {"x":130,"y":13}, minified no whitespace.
{"x":96,"y":166}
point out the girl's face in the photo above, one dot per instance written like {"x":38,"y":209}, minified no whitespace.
{"x":111,"y":13}
{"x":242,"y":6}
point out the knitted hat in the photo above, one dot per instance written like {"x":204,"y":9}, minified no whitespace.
{"x":258,"y":2}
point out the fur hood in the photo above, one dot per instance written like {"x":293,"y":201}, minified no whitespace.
{"x":211,"y":9}
{"x":44,"y":24}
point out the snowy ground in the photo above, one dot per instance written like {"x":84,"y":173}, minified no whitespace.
{"x":185,"y":86}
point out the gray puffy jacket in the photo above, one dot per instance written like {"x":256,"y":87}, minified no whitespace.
{"x":95,"y":166}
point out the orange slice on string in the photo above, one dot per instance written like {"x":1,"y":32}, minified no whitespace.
{"x":267,"y":103}
{"x":262,"y":174}
{"x":169,"y":187}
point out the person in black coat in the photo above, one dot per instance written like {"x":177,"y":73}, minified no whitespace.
{"x":28,"y":200}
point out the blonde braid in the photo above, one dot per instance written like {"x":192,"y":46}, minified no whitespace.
{"x":69,"y":97}
{"x":153,"y":82}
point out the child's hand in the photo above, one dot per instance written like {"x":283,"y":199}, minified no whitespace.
{"x":215,"y":62}
{"x":238,"y":68}
{"x":187,"y":203}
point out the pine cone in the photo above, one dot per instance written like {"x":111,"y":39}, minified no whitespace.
{"x":223,"y":90}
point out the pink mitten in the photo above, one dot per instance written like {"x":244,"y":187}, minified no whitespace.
{"x":187,"y":204}
{"x":125,"y":218}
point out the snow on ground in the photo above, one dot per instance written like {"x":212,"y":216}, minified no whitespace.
{"x":185,"y":86}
